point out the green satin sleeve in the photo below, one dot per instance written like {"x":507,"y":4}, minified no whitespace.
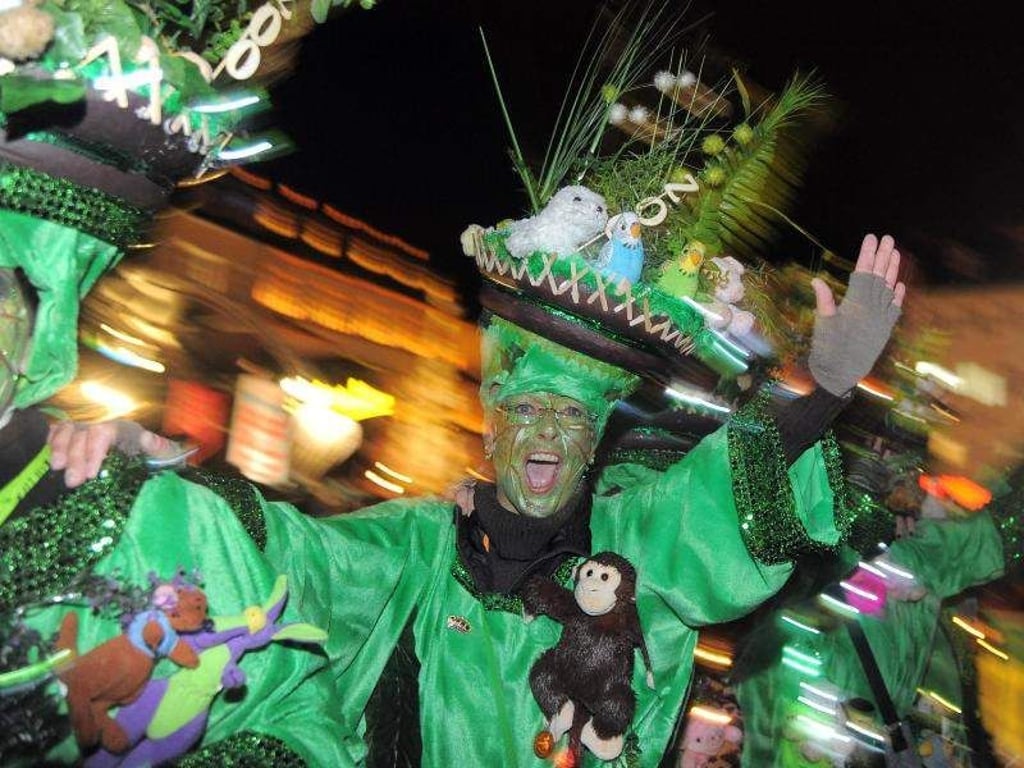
{"x":688,"y":527}
{"x":362,"y":576}
{"x":946,"y":557}
{"x":179,"y":525}
{"x":63,"y":263}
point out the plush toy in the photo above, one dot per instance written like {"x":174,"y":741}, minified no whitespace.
{"x":725,"y":315}
{"x":573,"y":217}
{"x":583,"y":684}
{"x":114,"y":673}
{"x":934,"y":751}
{"x":623,"y":255}
{"x":25,"y":30}
{"x":704,"y":739}
{"x":680,"y":277}
{"x":170,"y":715}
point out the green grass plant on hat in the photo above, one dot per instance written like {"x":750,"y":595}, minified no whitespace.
{"x":654,"y":206}
{"x":105,"y":105}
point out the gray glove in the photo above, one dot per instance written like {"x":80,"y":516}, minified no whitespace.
{"x":846,"y":345}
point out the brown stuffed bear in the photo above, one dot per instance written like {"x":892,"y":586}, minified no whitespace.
{"x":115,"y":672}
{"x":25,"y":30}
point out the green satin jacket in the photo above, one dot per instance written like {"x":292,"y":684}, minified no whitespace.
{"x":912,"y":652}
{"x":370,"y":573}
{"x":127,"y":525}
{"x":363,"y":577}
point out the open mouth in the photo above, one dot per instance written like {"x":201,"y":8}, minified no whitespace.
{"x":542,"y":471}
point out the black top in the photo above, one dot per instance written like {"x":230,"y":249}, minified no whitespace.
{"x":20,"y":441}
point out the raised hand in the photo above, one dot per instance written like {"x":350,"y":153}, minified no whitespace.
{"x":849,"y":338}
{"x":79,"y":449}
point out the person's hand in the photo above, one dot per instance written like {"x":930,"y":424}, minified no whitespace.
{"x":79,"y":449}
{"x":849,"y":338}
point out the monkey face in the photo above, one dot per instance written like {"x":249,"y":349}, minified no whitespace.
{"x":596,"y":586}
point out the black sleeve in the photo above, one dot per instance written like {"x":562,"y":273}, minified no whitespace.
{"x":803,"y":421}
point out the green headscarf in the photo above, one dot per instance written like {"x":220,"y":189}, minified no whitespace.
{"x":62,"y":264}
{"x":516,"y":361}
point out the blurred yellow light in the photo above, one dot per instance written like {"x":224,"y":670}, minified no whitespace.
{"x":387,"y":485}
{"x":710,"y":715}
{"x":941,"y":700}
{"x":128,"y":357}
{"x":356,"y":399}
{"x":876,"y":388}
{"x":937,"y":372}
{"x":993,"y":650}
{"x":864,"y":731}
{"x":712,"y":657}
{"x":121,"y":335}
{"x":477,"y":476}
{"x":968,"y":628}
{"x":389,"y":471}
{"x":117,"y":403}
{"x":800,"y":625}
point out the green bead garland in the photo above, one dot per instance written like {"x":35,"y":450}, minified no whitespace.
{"x":764,"y":498}
{"x":245,"y":749}
{"x":91,"y":211}
{"x":44,"y":552}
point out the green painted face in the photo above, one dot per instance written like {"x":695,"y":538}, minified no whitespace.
{"x":542,"y":444}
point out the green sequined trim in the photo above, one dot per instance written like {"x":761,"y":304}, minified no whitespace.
{"x":44,"y":551}
{"x":95,"y":151}
{"x":1008,"y":515}
{"x":242,"y":498}
{"x":495,"y":601}
{"x":92,"y":211}
{"x":764,"y":499}
{"x":659,"y":459}
{"x":872,"y":523}
{"x":245,"y":749}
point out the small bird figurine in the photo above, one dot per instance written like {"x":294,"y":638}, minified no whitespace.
{"x":573,"y":216}
{"x":623,"y":255}
{"x":681,"y":276}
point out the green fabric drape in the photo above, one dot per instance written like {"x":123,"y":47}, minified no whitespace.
{"x":63,"y":264}
{"x":176,"y":524}
{"x":946,"y":557}
{"x":371,"y":572}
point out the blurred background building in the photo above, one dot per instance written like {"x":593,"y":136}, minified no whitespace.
{"x":302,"y":346}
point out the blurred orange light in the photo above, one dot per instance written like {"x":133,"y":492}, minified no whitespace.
{"x":877,"y":388}
{"x":961,"y":490}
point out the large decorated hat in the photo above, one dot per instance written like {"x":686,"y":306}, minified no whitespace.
{"x":651,"y":216}
{"x":105,"y":108}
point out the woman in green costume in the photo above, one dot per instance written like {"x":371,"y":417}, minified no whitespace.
{"x":797,"y":715}
{"x":711,"y":537}
{"x":93,"y":551}
{"x":89,"y":151}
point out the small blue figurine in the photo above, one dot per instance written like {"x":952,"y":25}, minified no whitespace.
{"x":623,"y":255}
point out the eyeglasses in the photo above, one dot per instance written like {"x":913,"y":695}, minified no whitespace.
{"x":568,"y":416}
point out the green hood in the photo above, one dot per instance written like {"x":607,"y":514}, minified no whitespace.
{"x":62,"y":264}
{"x":516,"y":361}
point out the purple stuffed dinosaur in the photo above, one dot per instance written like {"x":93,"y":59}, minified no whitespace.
{"x":170,"y":715}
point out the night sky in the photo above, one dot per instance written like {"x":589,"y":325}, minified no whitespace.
{"x":397,"y":122}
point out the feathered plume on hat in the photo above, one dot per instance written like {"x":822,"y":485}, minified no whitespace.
{"x":105,"y":106}
{"x":657,"y":199}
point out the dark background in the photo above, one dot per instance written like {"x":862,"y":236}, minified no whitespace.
{"x":397,"y":121}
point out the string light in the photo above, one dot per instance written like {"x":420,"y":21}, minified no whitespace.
{"x":387,"y":485}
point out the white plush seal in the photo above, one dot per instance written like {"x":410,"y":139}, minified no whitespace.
{"x":572,"y":216}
